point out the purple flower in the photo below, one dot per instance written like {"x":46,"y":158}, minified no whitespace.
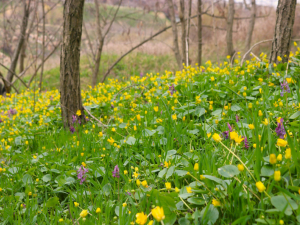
{"x":280,"y":131}
{"x":116,"y":172}
{"x":246,"y":143}
{"x":237,"y":118}
{"x":172,"y":89}
{"x":226,"y":134}
{"x":112,"y":106}
{"x":72,"y":129}
{"x":74,"y":119}
{"x":141,"y":75}
{"x":229,"y":127}
{"x":81,"y":174}
{"x":284,"y":88}
{"x":128,"y":193}
{"x":11,"y":112}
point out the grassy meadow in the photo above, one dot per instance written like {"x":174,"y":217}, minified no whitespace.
{"x":211,"y":144}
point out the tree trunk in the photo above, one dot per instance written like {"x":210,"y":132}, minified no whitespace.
{"x":251,"y":25}
{"x":70,"y":94}
{"x":14,"y":61}
{"x":230,"y":16}
{"x":43,"y":46}
{"x":285,"y":16}
{"x":100,"y":46}
{"x":199,"y":32}
{"x":183,"y":31}
{"x":175,"y":34}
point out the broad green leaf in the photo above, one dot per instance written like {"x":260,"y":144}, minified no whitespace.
{"x":284,"y":203}
{"x":52,"y":202}
{"x":131,"y":140}
{"x":295,"y":115}
{"x":46,"y":178}
{"x":235,"y":108}
{"x":27,"y":179}
{"x":170,"y":172}
{"x":209,"y":215}
{"x":162,"y":173}
{"x":196,"y":201}
{"x":183,"y":221}
{"x":267,"y":171}
{"x":228,"y":171}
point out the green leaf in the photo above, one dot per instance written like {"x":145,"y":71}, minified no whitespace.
{"x":235,"y":108}
{"x":131,"y":140}
{"x":170,"y":172}
{"x":106,"y":189}
{"x":209,"y":215}
{"x":183,"y":221}
{"x":171,"y":152}
{"x":228,"y":171}
{"x":181,"y":173}
{"x":27,"y":179}
{"x":218,"y":180}
{"x":267,"y":171}
{"x":162,"y":173}
{"x":199,"y":111}
{"x":295,"y":115}
{"x":216,"y":112}
{"x":196,"y":201}
{"x":52,"y":202}
{"x":284,"y":203}
{"x":148,"y":133}
{"x":46,"y":178}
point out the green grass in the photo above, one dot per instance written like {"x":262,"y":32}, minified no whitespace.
{"x":167,"y":135}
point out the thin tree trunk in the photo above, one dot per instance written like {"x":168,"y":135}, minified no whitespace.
{"x":175,"y":34}
{"x":183,"y":30}
{"x":16,"y":54}
{"x":230,"y":16}
{"x":43,"y":46}
{"x":251,"y":25}
{"x":70,"y":94}
{"x":199,"y":32}
{"x":100,"y":46}
{"x":285,"y":16}
{"x":188,"y":32}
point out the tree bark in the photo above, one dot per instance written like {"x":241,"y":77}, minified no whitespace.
{"x":199,"y":32}
{"x":251,"y":25}
{"x":43,"y":46}
{"x":70,"y":94}
{"x":183,"y":31}
{"x":285,"y":16}
{"x":230,"y":16}
{"x":10,"y":73}
{"x":175,"y":34}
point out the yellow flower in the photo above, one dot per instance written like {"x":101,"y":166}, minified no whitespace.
{"x":34,"y":156}
{"x":125,"y":172}
{"x":295,"y":43}
{"x":241,"y":167}
{"x":78,"y":113}
{"x":84,"y":213}
{"x":98,"y":210}
{"x":177,"y":189}
{"x":30,"y":193}
{"x":196,"y":166}
{"x":250,"y":105}
{"x":281,"y":142}
{"x":216,"y":137}
{"x":202,"y":177}
{"x":158,"y":213}
{"x":281,"y":222}
{"x":76,"y":204}
{"x":174,"y":117}
{"x":138,"y":182}
{"x":61,"y":220}
{"x":216,"y":203}
{"x":168,"y":185}
{"x":138,"y":117}
{"x":83,"y":163}
{"x":288,"y":153}
{"x":150,"y":222}
{"x":141,"y":218}
{"x":277,"y":176}
{"x":208,"y":135}
{"x":289,"y":80}
{"x":279,"y":157}
{"x":212,"y":78}
{"x":111,"y":140}
{"x":189,"y":190}
{"x":167,"y":164}
{"x":144,"y":183}
{"x":260,"y":113}
{"x":233,"y":135}
{"x":260,"y":186}
{"x":135,"y":174}
{"x":113,"y":129}
{"x":155,"y":108}
{"x":265,"y":122}
{"x":251,"y":126}
{"x":279,"y":58}
{"x":124,"y":204}
{"x":272,"y":159}
{"x":238,"y":139}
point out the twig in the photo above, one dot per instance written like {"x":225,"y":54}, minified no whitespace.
{"x":94,"y":117}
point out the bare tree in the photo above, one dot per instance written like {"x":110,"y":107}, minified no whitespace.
{"x":11,"y":71}
{"x":199,"y":31}
{"x":183,"y":30}
{"x":285,"y":16}
{"x":251,"y":25}
{"x":70,"y":94}
{"x":43,"y":45}
{"x":230,"y":17}
{"x":175,"y":34}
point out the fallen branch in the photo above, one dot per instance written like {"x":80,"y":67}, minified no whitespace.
{"x":91,"y":115}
